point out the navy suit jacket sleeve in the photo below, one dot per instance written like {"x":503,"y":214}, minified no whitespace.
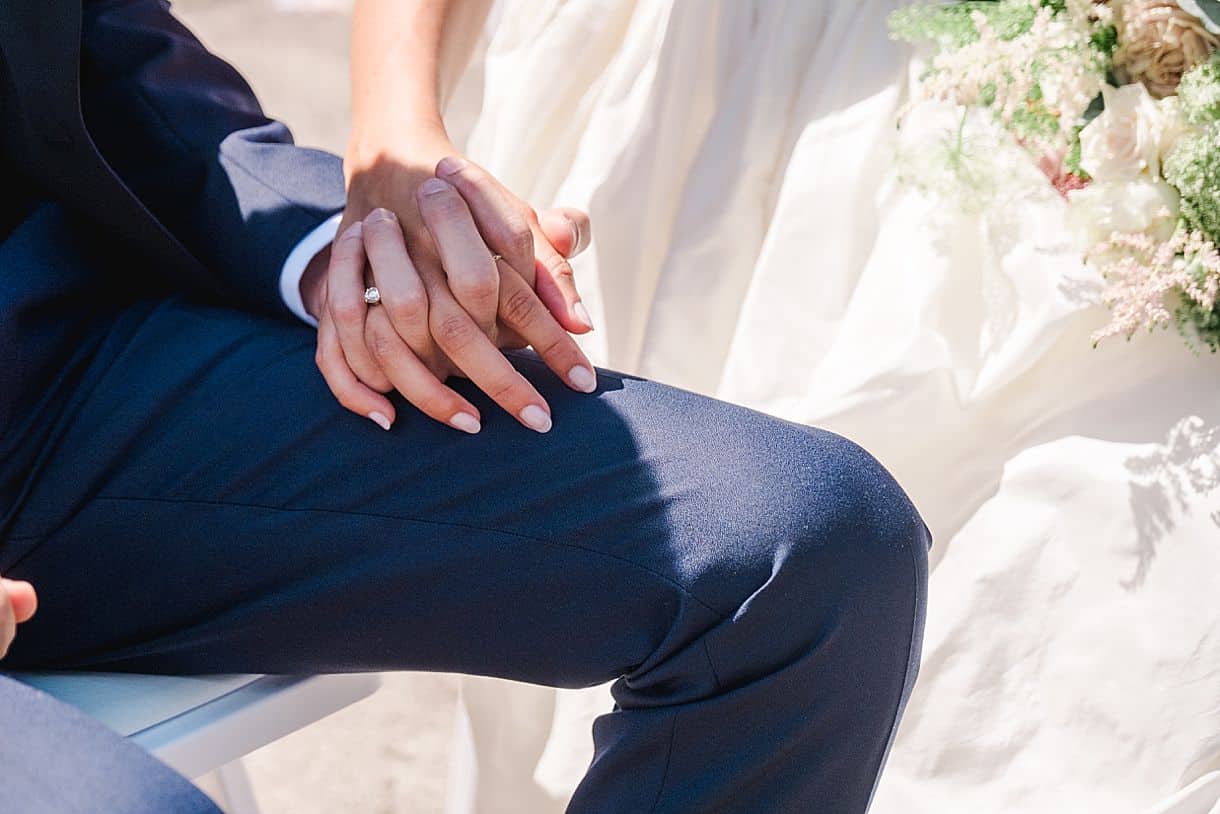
{"x":184,"y":131}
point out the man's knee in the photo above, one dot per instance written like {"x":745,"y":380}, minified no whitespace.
{"x":840,"y":555}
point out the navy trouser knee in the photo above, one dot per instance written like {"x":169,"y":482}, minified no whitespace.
{"x":755,"y":587}
{"x":790,"y":630}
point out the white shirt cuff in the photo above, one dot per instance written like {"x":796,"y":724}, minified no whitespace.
{"x":294,"y":267}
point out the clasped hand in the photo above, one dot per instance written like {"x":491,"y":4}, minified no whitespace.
{"x":465,"y":270}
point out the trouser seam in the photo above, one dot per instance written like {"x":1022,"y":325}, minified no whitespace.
{"x":712,"y":666}
{"x":720,"y":617}
{"x":673,"y":729}
{"x":669,"y":754}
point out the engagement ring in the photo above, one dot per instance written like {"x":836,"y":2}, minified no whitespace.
{"x":371,"y":295}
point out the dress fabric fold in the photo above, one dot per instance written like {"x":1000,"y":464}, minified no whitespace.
{"x":752,"y":241}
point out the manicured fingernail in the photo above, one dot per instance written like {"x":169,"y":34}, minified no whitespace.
{"x":575,"y":238}
{"x":450,"y":164}
{"x":380,"y":420}
{"x":466,"y":423}
{"x":583,"y":378}
{"x":582,"y":314}
{"x":536,"y":418}
{"x":432,"y":186}
{"x":378,"y":215}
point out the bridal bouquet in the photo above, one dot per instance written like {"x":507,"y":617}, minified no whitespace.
{"x":1118,"y":103}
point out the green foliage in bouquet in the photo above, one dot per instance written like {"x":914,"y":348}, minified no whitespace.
{"x":952,"y":26}
{"x":1195,"y":320}
{"x":1199,"y":93}
{"x":1194,"y":169}
{"x":1003,"y":56}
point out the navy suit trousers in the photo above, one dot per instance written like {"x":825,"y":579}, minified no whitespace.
{"x":754,"y":588}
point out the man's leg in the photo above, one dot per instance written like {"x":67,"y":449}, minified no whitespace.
{"x":756,"y":587}
{"x":57,"y":760}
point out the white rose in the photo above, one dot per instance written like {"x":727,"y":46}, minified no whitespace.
{"x":1130,"y":136}
{"x":1145,"y":206}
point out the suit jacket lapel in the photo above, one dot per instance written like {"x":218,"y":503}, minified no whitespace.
{"x":41,"y":42}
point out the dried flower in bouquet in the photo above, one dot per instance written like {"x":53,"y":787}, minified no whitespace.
{"x":1158,"y":43}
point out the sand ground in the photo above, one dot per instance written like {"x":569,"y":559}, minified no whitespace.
{"x":389,"y":753}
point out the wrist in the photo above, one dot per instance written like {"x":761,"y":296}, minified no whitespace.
{"x":387,"y":174}
{"x":417,"y":144}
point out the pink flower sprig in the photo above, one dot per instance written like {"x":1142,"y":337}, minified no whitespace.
{"x":1149,"y":283}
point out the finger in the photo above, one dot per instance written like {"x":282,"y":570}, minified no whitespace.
{"x":498,"y":214}
{"x":347,"y":389}
{"x":524,"y":313}
{"x":347,"y":308}
{"x":473,"y":277}
{"x":567,"y":229}
{"x":22,"y":598}
{"x":556,"y":287}
{"x":403,"y":296}
{"x":492,"y":204}
{"x":484,"y":364}
{"x":8,"y":628}
{"x":415,"y":381}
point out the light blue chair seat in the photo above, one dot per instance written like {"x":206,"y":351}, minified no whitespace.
{"x":204,"y":725}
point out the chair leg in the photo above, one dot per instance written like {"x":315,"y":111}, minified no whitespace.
{"x":231,"y":788}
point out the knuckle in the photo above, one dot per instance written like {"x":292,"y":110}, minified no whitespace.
{"x":519,"y":307}
{"x":346,"y":312}
{"x":517,"y":239}
{"x":503,"y":392}
{"x":453,"y":331}
{"x":561,"y":269}
{"x":554,"y":348}
{"x":479,"y":286}
{"x":381,"y":346}
{"x":347,"y":244}
{"x":429,"y":404}
{"x":408,"y":309}
{"x":443,"y":204}
{"x":382,"y":231}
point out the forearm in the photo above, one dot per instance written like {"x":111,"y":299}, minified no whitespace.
{"x":404,"y":53}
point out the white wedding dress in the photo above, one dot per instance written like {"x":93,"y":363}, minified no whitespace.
{"x":751,"y":242}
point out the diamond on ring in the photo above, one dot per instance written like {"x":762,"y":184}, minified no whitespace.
{"x":371,"y":295}
{"x":496,"y":258}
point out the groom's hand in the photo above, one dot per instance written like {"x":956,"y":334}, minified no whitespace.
{"x":17,"y":604}
{"x":423,"y":330}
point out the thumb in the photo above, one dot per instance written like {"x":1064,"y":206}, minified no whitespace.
{"x":22,"y":597}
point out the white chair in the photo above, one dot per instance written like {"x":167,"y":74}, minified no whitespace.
{"x":203,"y":726}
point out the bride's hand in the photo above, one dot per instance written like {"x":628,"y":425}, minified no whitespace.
{"x":485,"y":219}
{"x":420,"y":334}
{"x":456,"y":219}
